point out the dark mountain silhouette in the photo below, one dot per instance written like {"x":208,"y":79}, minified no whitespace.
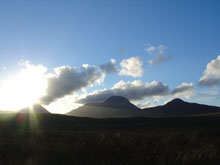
{"x":117,"y":106}
{"x":179,"y":108}
{"x":117,"y":102}
{"x":36,"y":108}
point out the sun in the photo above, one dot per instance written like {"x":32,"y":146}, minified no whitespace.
{"x":23,"y":89}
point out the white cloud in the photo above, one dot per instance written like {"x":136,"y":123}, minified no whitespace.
{"x":131,"y":67}
{"x":160,"y":56}
{"x":211,"y":76}
{"x":150,"y":48}
{"x":213,"y":68}
{"x":109,"y":67}
{"x":66,"y":80}
{"x":184,"y":90}
{"x":148,"y":104}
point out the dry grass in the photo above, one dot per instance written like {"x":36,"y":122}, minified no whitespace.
{"x":110,"y":147}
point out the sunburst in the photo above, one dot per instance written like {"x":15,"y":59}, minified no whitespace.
{"x":23,"y":89}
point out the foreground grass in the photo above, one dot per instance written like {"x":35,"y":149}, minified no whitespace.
{"x":60,"y":139}
{"x":74,"y":147}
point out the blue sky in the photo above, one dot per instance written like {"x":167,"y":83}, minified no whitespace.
{"x":72,"y":33}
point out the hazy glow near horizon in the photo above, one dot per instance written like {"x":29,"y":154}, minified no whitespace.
{"x":24,"y":88}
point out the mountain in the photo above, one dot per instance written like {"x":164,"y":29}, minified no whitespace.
{"x":115,"y":106}
{"x":36,"y":108}
{"x":117,"y":102}
{"x":179,"y":108}
{"x":118,"y":106}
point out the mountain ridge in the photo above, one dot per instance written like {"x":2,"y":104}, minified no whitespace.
{"x":119,"y":106}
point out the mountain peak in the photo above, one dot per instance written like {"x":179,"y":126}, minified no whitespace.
{"x":115,"y":106}
{"x":176,"y":100}
{"x":116,"y":100}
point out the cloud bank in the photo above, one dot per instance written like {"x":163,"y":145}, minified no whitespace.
{"x":135,"y":90}
{"x":66,"y":80}
{"x":184,"y":90}
{"x":138,"y":90}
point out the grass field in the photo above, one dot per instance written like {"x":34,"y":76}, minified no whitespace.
{"x":193,"y":140}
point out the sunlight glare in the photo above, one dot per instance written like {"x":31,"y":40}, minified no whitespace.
{"x":23,"y":89}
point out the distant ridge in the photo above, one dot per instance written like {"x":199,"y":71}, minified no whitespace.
{"x":180,"y":108}
{"x":118,"y":106}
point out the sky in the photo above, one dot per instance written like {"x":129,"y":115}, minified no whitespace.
{"x":63,"y":54}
